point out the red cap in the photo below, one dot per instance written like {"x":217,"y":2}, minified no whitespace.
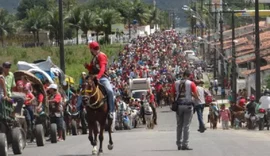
{"x":93,"y":45}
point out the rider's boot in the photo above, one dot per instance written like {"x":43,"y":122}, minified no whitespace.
{"x":110,"y":115}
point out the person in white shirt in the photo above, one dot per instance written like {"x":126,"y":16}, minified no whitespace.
{"x":265,"y":100}
{"x":199,"y":107}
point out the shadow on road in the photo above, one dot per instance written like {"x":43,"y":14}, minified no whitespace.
{"x":166,"y":111}
{"x":162,"y":150}
{"x":76,"y":155}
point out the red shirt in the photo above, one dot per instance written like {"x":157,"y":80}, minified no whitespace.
{"x":158,"y":87}
{"x":192,"y":85}
{"x":57,"y":98}
{"x":152,"y":99}
{"x":29,"y":96}
{"x":40,"y":98}
{"x":102,"y":59}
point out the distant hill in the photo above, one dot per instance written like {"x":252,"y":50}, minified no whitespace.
{"x":11,"y":6}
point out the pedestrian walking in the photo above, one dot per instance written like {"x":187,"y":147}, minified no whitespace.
{"x":199,"y":107}
{"x":184,"y":91}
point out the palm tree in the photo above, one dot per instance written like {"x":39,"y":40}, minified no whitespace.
{"x":140,"y":12}
{"x":87,"y":22}
{"x":6,"y":25}
{"x":53,"y":24}
{"x":154,"y":17}
{"x":35,"y":21}
{"x":74,"y":19}
{"x":109,"y":16}
{"x":98,"y":26}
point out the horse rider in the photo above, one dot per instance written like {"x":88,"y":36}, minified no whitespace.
{"x":98,"y":67}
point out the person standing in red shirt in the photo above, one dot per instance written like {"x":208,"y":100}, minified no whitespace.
{"x":56,"y":109}
{"x":151,"y":99}
{"x":29,"y":98}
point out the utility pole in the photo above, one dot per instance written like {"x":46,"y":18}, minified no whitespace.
{"x":209,"y":29}
{"x":222,"y":52}
{"x":61,"y":37}
{"x":234,"y":79}
{"x":202,"y":33}
{"x":215,"y":47}
{"x":257,"y":52}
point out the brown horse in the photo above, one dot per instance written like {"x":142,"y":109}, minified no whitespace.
{"x":94,"y":98}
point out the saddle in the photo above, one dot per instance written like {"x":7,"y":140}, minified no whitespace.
{"x":102,"y":89}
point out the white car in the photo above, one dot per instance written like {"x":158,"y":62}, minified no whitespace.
{"x":189,"y":52}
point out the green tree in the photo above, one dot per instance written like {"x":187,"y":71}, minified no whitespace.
{"x":6,"y":25}
{"x":87,"y":22}
{"x":109,"y":16}
{"x":154,"y":17}
{"x":53,"y":24}
{"x":25,"y":5}
{"x":74,"y":19}
{"x":140,"y":12}
{"x":69,"y":4}
{"x":35,"y":21}
{"x":98,"y":26}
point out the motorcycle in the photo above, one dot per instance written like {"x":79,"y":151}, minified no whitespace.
{"x":264,"y":118}
{"x":251,"y":120}
{"x":260,"y":116}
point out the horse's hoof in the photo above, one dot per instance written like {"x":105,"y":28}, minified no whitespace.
{"x":110,"y":147}
{"x":100,"y":153}
{"x":94,"y":152}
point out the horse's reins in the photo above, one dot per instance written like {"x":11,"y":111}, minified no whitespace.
{"x":96,"y":102}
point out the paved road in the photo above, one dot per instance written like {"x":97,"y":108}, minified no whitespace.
{"x":161,"y":142}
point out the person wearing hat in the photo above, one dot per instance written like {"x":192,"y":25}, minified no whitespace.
{"x":56,"y":109}
{"x":199,"y":107}
{"x":98,"y":67}
{"x":10,"y":83}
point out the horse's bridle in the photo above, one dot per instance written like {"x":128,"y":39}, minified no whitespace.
{"x":97,"y":104}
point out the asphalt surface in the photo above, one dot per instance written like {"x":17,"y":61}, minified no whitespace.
{"x":161,"y":142}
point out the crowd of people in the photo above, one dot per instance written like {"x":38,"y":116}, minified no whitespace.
{"x":158,"y":56}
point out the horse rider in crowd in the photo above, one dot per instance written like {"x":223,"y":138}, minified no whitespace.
{"x":98,"y":67}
